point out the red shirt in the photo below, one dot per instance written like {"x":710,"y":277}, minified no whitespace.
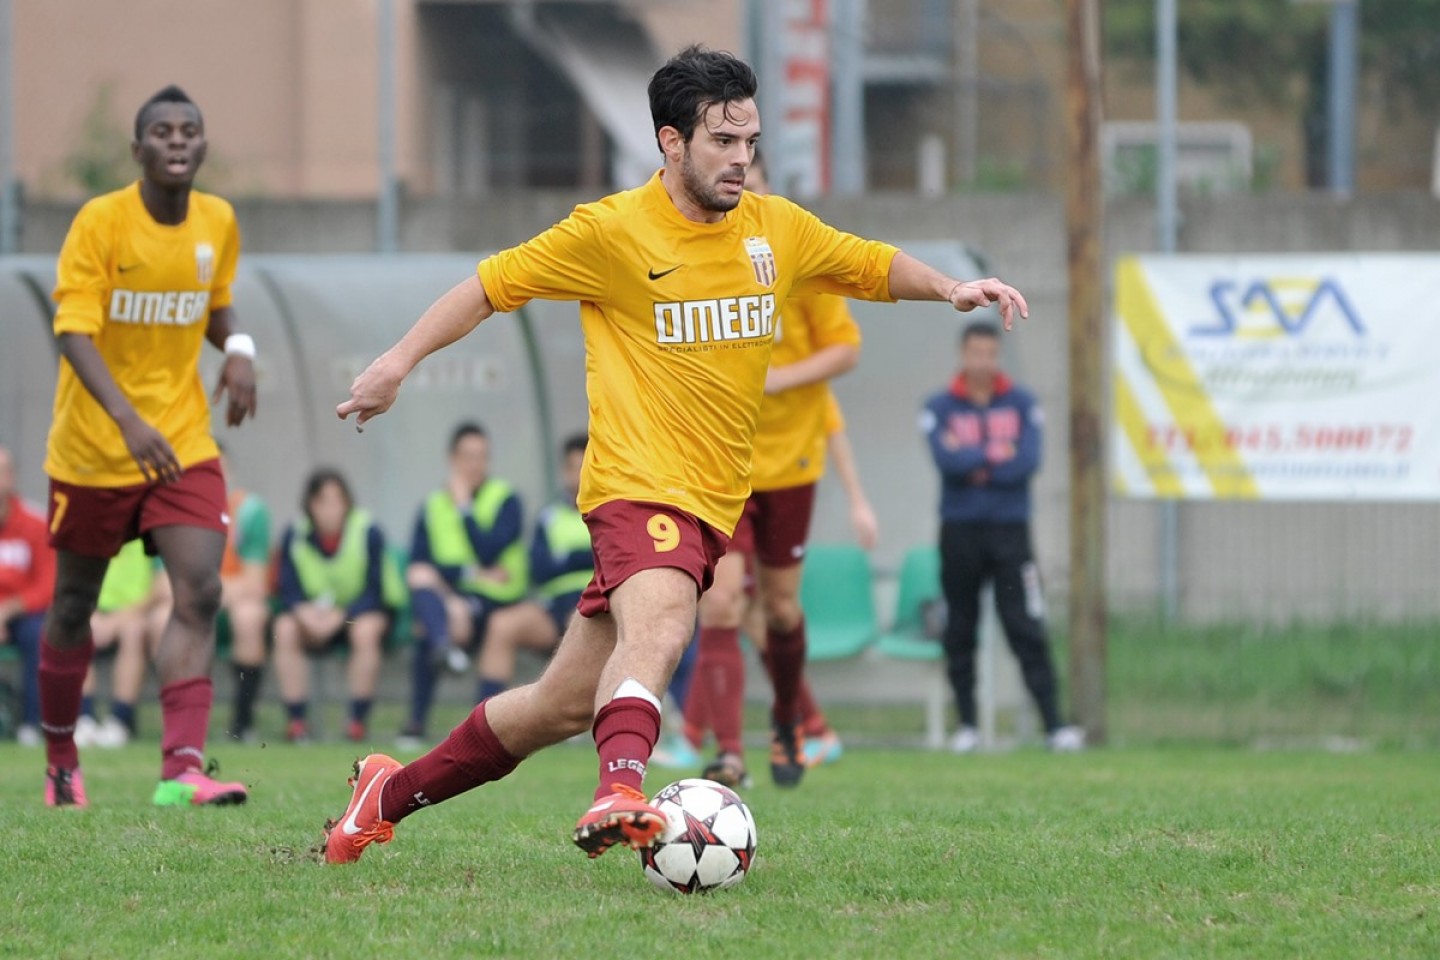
{"x":27,"y":564}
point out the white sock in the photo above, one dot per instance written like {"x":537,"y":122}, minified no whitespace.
{"x":630,"y":687}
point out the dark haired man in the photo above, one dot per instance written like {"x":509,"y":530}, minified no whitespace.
{"x":467,"y":560}
{"x":678,"y":283}
{"x":143,"y":280}
{"x":984,"y":435}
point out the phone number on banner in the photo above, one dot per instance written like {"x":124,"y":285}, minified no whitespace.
{"x":1378,"y":438}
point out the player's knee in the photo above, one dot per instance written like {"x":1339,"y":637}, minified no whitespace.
{"x":422,"y":576}
{"x":199,"y":600}
{"x":70,"y":611}
{"x":782,"y":613}
{"x":722,"y":607}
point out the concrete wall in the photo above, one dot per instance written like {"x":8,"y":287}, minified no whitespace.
{"x":1237,"y":560}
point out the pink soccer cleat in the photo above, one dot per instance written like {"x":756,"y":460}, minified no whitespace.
{"x":64,"y":787}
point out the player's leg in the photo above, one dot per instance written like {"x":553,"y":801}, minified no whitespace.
{"x":782,"y":525}
{"x":1021,"y":606}
{"x":963,"y":570}
{"x":249,"y":613}
{"x":519,"y":626}
{"x":65,"y":656}
{"x":655,"y":611}
{"x":366,"y":635}
{"x":292,"y":673}
{"x":487,"y":745}
{"x":191,"y":555}
{"x":720,"y":670}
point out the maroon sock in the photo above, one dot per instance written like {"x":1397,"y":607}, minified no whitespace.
{"x":62,"y":674}
{"x":470,"y":756}
{"x":625,"y":729}
{"x":787,"y":668}
{"x":720,"y":669}
{"x":697,"y":711}
{"x":185,"y":718}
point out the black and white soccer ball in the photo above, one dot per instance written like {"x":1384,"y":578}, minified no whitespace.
{"x":709,"y":843}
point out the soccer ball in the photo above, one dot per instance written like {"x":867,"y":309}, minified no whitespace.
{"x":709,"y":842}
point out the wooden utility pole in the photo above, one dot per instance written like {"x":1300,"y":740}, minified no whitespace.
{"x":1084,"y":207}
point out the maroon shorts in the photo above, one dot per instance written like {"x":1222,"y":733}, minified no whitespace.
{"x":781,"y":521}
{"x":98,"y":521}
{"x":627,"y":537}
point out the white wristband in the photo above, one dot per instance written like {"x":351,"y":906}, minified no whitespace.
{"x":240,"y":345}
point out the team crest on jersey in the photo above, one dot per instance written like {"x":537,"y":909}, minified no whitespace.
{"x":762,"y":258}
{"x":204,"y":262}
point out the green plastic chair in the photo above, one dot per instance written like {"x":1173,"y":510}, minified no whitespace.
{"x":919,"y":586}
{"x":836,"y":594}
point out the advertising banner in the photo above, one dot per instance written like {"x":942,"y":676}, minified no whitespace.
{"x":1277,"y":377}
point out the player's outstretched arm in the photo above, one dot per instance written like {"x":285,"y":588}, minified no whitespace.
{"x":446,"y":320}
{"x":150,"y":449}
{"x":912,"y":280}
{"x":237,"y":376}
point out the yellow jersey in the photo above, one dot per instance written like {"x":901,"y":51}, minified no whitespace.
{"x":143,"y":291}
{"x":678,"y":318}
{"x":790,"y":438}
{"x":834,"y":416}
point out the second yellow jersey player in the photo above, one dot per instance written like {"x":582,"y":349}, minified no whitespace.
{"x":143,"y":291}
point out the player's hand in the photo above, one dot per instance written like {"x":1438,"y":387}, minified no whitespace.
{"x":867,"y":528}
{"x":237,"y":379}
{"x":981,"y":293}
{"x":373,"y":392}
{"x":150,"y":449}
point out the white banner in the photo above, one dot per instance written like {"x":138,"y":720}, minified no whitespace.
{"x":1286,"y":377}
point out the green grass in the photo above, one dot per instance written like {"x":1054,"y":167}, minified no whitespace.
{"x":1125,"y":853}
{"x":1249,"y":683}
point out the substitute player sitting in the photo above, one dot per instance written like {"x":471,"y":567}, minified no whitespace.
{"x":467,"y":561}
{"x":337,"y":586}
{"x":679,"y":283}
{"x":561,"y":565}
{"x":143,"y":281}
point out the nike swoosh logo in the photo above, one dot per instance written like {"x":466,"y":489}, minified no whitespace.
{"x":127,"y":268}
{"x":663,"y":273}
{"x":347,"y":826}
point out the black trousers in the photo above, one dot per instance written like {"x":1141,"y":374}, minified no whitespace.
{"x":972,"y":554}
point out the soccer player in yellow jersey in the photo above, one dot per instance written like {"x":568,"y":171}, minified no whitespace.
{"x":143,"y":280}
{"x":815,"y":340}
{"x":679,"y":283}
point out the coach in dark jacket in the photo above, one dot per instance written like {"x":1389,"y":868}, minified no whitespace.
{"x":984,"y":435}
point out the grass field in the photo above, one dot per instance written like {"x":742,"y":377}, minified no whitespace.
{"x":1124,"y":853}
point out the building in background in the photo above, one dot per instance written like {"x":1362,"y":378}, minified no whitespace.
{"x":931,"y":96}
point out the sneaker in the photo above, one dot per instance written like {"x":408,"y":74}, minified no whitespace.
{"x":675,"y":754}
{"x":64,"y":788}
{"x":825,"y":748}
{"x":355,"y":731}
{"x":966,"y":740}
{"x":195,"y":789}
{"x":297,"y":732}
{"x":456,"y":661}
{"x":362,"y":824}
{"x":112,"y":734}
{"x":624,"y":817}
{"x":86,"y":729}
{"x":787,"y":766}
{"x":28,"y":735}
{"x":412,"y":738}
{"x":1065,"y":740}
{"x":728,"y":770}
